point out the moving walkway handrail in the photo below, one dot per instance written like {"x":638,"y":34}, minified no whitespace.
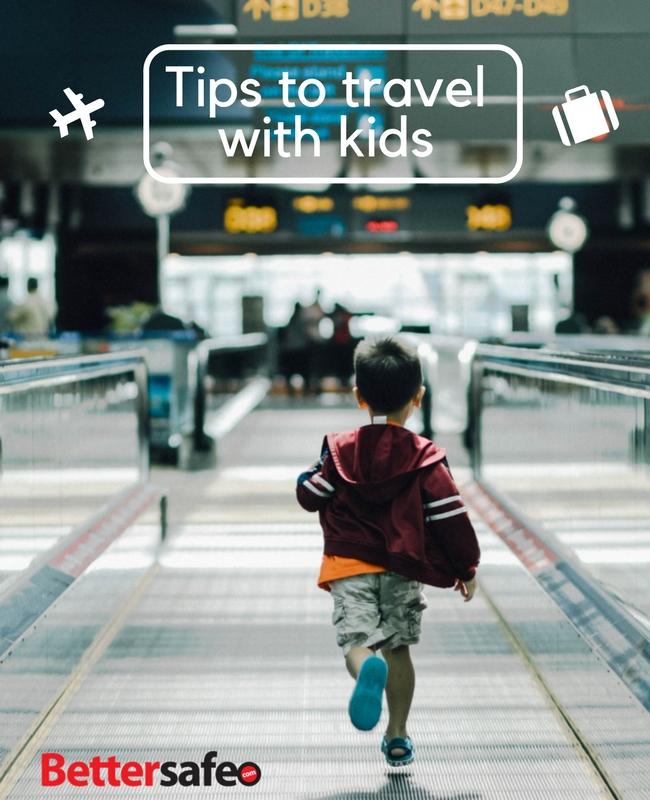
{"x":198,"y":370}
{"x":611,"y":372}
{"x":57,"y":362}
{"x":612,"y":360}
{"x":28,"y":373}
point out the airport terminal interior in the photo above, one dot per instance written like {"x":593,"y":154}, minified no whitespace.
{"x":173,"y":353}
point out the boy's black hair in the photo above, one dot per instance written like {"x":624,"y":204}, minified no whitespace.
{"x":388,"y":373}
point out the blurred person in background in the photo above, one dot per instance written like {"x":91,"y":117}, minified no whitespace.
{"x":159,"y":320}
{"x":295,"y":348}
{"x":641,"y":302}
{"x":642,"y":307}
{"x":606,"y":326}
{"x":33,"y":317}
{"x":5,"y":305}
{"x":576,"y":322}
{"x":312,"y":316}
{"x":342,"y":344}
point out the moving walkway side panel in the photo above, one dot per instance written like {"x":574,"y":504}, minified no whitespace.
{"x":606,"y":719}
{"x":31,"y":593}
{"x":614,"y":633}
{"x":539,"y":423}
{"x":74,"y":481}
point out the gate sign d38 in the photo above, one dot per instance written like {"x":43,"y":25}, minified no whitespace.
{"x":268,"y":19}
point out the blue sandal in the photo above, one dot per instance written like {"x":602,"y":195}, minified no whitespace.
{"x":404,"y":744}
{"x":365,"y":704}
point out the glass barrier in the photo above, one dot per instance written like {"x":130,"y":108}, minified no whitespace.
{"x":170,"y":387}
{"x":179,"y":364}
{"x":447,"y":365}
{"x":72,"y":435}
{"x":567,"y":439}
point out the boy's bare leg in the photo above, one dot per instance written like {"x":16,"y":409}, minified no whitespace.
{"x":399,"y":692}
{"x":355,"y":658}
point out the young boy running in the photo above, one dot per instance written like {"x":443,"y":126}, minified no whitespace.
{"x":392,"y":520}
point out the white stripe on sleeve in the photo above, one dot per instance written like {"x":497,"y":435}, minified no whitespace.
{"x":444,"y":502}
{"x":313,"y":489}
{"x":446,"y":514}
{"x":323,"y":482}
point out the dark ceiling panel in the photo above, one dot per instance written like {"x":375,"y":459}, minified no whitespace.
{"x":612,"y":16}
{"x":95,"y":47}
{"x":549,"y":62}
{"x":618,"y":64}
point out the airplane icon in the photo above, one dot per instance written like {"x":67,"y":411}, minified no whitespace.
{"x":82,"y":112}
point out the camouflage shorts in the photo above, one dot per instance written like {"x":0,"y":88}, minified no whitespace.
{"x":377,"y":610}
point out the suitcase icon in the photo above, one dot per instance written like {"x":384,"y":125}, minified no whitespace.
{"x":585,"y":116}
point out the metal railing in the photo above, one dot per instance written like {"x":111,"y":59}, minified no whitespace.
{"x":37,"y":374}
{"x":74,"y":459}
{"x":249,"y":354}
{"x":560,"y":447}
{"x":615,"y":373}
{"x":178,"y":366}
{"x":447,"y":365}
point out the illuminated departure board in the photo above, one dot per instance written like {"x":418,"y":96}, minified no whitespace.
{"x":490,"y":16}
{"x":350,"y":18}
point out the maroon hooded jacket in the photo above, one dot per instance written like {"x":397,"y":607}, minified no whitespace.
{"x":386,"y":496}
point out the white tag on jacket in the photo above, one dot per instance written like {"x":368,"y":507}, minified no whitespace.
{"x":380,"y":420}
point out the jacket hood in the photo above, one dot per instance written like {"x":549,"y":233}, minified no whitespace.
{"x":380,"y":460}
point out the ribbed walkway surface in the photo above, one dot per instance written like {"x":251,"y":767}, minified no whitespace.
{"x":230,"y":648}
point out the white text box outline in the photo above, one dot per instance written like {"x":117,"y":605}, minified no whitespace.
{"x":194,"y":181}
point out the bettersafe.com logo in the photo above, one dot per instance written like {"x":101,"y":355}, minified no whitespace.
{"x":109,"y":771}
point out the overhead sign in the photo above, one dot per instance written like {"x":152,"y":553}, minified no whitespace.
{"x":489,"y":217}
{"x":382,"y":226}
{"x":457,"y":10}
{"x":281,"y":19}
{"x":241,"y":217}
{"x":313,"y":204}
{"x":372,"y":203}
{"x":489,"y":16}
